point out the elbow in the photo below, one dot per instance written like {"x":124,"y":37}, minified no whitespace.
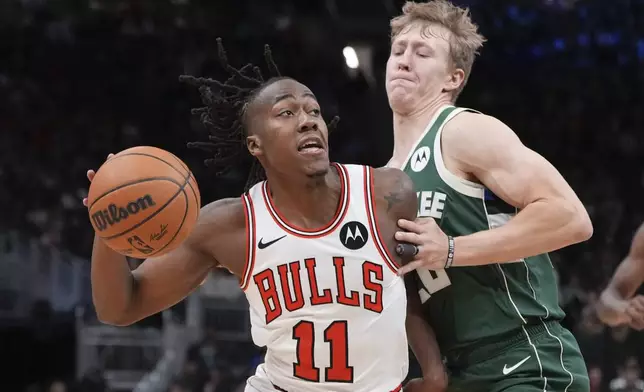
{"x":438,"y":380}
{"x":116,"y":322}
{"x":583,"y":228}
{"x":580,"y":227}
{"x":117,"y":319}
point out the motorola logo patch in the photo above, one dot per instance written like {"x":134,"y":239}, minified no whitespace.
{"x":420,"y":158}
{"x":354,"y":235}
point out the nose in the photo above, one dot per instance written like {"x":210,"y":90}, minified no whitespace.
{"x":307,"y":123}
{"x":402,"y":61}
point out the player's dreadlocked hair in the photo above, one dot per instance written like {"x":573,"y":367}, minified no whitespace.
{"x":224,"y":112}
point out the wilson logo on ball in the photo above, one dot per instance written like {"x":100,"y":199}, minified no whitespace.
{"x":114,"y":214}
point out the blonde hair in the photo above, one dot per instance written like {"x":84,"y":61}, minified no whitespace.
{"x":464,"y":40}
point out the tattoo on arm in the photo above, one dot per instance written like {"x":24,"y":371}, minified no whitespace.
{"x":395,"y":195}
{"x":392,"y":199}
{"x":397,"y":190}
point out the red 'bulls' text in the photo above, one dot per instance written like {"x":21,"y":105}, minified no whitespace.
{"x":292,"y":296}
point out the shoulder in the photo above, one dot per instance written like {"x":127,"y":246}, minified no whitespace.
{"x":220,"y":233}
{"x":385,"y":178}
{"x":217,"y":217}
{"x":470,"y":137}
{"x":479,"y":127}
{"x":396,"y":190}
{"x":224,"y":211}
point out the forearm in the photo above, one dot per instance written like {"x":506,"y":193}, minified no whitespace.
{"x":425,"y":348}
{"x":112,"y":284}
{"x":611,"y":308}
{"x":540,"y":227}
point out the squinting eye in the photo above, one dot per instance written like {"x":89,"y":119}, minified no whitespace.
{"x":316,"y":112}
{"x":287,"y":113}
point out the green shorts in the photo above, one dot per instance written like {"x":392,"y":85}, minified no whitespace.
{"x":543,"y":357}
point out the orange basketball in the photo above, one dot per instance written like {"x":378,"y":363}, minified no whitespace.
{"x":143,"y":202}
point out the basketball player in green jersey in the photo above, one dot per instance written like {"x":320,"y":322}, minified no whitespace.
{"x":618,"y":303}
{"x":490,"y":209}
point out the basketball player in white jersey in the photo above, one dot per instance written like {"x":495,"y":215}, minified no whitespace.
{"x":618,"y":303}
{"x":313,"y":248}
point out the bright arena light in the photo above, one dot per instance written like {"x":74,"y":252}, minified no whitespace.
{"x":350,"y":57}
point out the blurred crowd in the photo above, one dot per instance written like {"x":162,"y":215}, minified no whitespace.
{"x":80,"y":79}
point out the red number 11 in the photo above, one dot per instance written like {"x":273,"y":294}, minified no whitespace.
{"x":336,"y":335}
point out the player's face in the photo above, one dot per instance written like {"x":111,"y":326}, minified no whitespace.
{"x":289,"y":134}
{"x":419,"y":68}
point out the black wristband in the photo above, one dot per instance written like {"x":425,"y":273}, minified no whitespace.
{"x":450,"y":251}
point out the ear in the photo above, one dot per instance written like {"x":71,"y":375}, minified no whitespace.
{"x":454,"y":80}
{"x":254,"y":145}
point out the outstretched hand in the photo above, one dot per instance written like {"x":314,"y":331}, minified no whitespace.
{"x":90,"y":176}
{"x":432,"y":244}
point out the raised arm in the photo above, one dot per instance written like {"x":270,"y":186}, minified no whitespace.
{"x":396,"y":190}
{"x":123,"y":297}
{"x":551,"y":215}
{"x":616,"y":305}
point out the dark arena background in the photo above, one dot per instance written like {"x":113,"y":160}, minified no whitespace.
{"x":83,"y":78}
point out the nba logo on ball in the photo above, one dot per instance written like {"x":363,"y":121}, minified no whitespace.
{"x":420,"y":158}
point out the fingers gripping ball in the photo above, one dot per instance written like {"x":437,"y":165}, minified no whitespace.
{"x":143,"y":202}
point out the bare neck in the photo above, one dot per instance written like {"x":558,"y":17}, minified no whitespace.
{"x":409,"y":126}
{"x":310,"y":203}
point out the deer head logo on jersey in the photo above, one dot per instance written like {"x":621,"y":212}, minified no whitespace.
{"x":354,"y":235}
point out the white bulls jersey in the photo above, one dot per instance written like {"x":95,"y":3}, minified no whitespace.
{"x":326,"y":303}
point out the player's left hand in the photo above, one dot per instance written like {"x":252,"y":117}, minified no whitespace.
{"x":422,"y":385}
{"x":432,"y":244}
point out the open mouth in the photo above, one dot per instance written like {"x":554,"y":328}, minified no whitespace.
{"x":311,"y":146}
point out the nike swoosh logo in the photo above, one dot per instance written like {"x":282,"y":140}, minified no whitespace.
{"x":262,"y":245}
{"x":507,"y":370}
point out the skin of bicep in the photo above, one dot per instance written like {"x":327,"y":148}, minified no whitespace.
{"x":486,"y":150}
{"x":481,"y":148}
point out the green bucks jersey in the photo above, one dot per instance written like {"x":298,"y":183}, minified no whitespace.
{"x":467,"y":305}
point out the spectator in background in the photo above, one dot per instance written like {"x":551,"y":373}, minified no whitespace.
{"x":92,"y":381}
{"x":180,"y":386}
{"x":596,"y":378}
{"x":207,"y":350}
{"x":193,"y":376}
{"x":58,"y":386}
{"x":590,"y":336}
{"x":629,"y":377}
{"x":215,"y":382}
